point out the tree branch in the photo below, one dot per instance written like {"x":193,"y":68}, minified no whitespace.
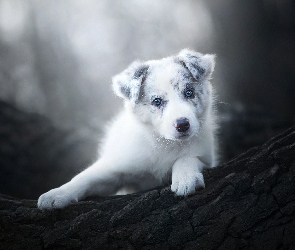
{"x":248,"y":202}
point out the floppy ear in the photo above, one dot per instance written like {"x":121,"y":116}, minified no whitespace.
{"x":127,"y":84}
{"x":200,"y":66}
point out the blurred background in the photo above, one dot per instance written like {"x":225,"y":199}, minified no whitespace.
{"x":57,"y":59}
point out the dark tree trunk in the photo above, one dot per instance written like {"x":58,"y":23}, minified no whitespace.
{"x":248,"y":203}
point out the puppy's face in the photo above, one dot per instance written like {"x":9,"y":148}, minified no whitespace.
{"x":171,"y":95}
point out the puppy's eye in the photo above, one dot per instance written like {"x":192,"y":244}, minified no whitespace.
{"x":157,"y":102}
{"x":189,"y":93}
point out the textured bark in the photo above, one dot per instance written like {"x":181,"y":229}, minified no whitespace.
{"x":248,"y":203}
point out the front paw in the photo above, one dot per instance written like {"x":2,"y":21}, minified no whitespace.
{"x":183,"y":185}
{"x":56,"y":198}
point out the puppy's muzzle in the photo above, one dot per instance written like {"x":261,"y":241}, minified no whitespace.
{"x":182,"y":124}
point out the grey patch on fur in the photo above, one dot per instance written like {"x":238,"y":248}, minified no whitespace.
{"x":185,"y":76}
{"x":195,"y":63}
{"x":193,"y":66}
{"x":175,"y":85}
{"x":127,"y":84}
{"x":141,"y":71}
{"x":125,"y":91}
{"x":182,"y":63}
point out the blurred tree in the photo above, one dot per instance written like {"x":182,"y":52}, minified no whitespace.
{"x":255,"y":42}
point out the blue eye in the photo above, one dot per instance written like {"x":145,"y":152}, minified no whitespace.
{"x":189,"y":93}
{"x":157,"y":102}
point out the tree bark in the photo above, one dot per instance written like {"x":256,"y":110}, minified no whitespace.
{"x":248,"y":203}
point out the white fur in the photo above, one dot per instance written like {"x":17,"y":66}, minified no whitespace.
{"x":142,"y":149}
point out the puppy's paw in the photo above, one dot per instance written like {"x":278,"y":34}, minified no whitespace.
{"x":56,"y":198}
{"x":183,"y":185}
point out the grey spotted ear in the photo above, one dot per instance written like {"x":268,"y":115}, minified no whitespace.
{"x":200,"y":66}
{"x":127,"y":84}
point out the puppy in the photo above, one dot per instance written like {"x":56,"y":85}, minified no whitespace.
{"x":164,"y":134}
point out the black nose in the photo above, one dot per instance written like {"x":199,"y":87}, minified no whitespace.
{"x":182,"y":124}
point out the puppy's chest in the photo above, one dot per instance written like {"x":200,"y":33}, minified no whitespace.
{"x":165,"y":153}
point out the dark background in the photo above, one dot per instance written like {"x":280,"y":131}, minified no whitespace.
{"x":57,"y":59}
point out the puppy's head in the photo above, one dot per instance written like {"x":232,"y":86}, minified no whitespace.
{"x":172,"y":95}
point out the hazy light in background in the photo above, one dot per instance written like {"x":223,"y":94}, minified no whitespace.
{"x":57,"y":59}
{"x":13,"y":16}
{"x":71,"y":49}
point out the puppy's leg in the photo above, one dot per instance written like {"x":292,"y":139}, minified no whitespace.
{"x":97,"y":179}
{"x":186,"y":176}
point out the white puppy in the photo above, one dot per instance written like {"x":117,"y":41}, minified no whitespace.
{"x":165,"y":132}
